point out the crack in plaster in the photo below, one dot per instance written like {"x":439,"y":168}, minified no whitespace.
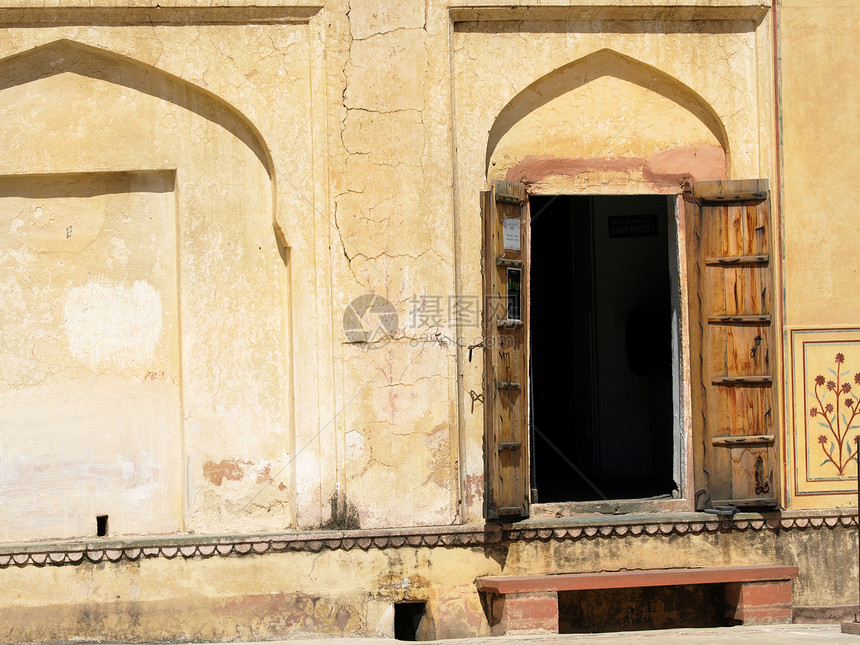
{"x":415,"y":382}
{"x":383,"y":32}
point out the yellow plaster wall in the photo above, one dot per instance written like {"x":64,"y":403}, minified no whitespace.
{"x":820,"y":126}
{"x":635,"y":106}
{"x":95,"y":429}
{"x":397,"y":431}
{"x":352,"y":592}
{"x":645,"y":142}
{"x":146,"y":375}
{"x":309,"y":156}
{"x":311,"y":153}
{"x":366,"y":134}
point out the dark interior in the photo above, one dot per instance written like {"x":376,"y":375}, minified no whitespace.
{"x":601,"y":348}
{"x":407,"y":619}
{"x":643,"y":608}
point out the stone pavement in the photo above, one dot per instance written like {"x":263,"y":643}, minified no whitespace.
{"x":770,"y":635}
{"x":765,"y":635}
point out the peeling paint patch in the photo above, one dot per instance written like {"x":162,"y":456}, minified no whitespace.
{"x":225,"y":469}
{"x":474,"y":489}
{"x":437,"y":449}
{"x":670,"y":167}
{"x":119,"y":252}
{"x":109,"y":323}
{"x":399,"y":587}
{"x":264,"y":474}
{"x":534,"y":168}
{"x":354,"y":444}
{"x":294,"y":612}
{"x":698,"y":163}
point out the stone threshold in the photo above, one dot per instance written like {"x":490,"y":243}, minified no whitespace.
{"x":824,"y":615}
{"x":72,"y":552}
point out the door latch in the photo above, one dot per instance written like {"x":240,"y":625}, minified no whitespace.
{"x":473,"y":347}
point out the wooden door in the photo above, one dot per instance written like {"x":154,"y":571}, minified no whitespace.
{"x":506,"y":322}
{"x":733,"y":343}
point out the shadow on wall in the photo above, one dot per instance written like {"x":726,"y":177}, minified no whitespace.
{"x":86,"y":184}
{"x":68,"y":56}
{"x":588,"y":68}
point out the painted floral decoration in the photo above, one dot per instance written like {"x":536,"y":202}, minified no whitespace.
{"x":836,"y":416}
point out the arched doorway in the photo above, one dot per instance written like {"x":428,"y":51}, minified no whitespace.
{"x":603,"y":148}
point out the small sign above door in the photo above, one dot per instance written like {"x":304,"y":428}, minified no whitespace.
{"x":511,"y":233}
{"x":632,"y":226}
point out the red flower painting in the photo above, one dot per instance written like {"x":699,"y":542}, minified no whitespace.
{"x":836,"y":416}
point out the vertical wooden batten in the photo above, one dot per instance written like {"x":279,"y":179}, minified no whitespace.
{"x":506,"y":347}
{"x":732,"y":303}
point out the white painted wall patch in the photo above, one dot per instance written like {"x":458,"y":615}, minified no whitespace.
{"x":109,"y":323}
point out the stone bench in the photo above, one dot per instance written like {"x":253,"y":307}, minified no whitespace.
{"x":755,"y":594}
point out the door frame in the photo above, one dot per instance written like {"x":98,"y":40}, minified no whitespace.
{"x":683,"y":467}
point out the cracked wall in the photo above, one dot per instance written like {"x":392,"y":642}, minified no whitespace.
{"x":146,"y":323}
{"x":391,"y":194}
{"x":351,"y":592}
{"x":310,"y":151}
{"x":324,"y":154}
{"x":619,"y":106}
{"x":192,"y":197}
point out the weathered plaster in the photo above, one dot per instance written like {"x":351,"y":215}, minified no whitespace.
{"x":385,"y":137}
{"x":173,"y":336}
{"x":640,"y":106}
{"x":235,"y":590}
{"x":150,"y":286}
{"x":820,"y":164}
{"x":666,"y":171}
{"x":819,"y":119}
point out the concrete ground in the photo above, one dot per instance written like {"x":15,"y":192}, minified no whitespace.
{"x":770,"y":635}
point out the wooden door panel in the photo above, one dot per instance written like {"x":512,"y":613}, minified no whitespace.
{"x":742,"y":411}
{"x":740,"y":349}
{"x":736,"y":291}
{"x":730,"y":283}
{"x":506,"y":323}
{"x":751,"y":472}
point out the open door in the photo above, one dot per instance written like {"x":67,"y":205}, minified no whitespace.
{"x":732,"y":343}
{"x":506,"y":412}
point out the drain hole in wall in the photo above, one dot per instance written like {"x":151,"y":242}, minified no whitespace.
{"x":101,"y":525}
{"x":407,"y":619}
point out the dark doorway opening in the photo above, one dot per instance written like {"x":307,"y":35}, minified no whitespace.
{"x":603,"y":274}
{"x":407,"y":619}
{"x":642,"y":608}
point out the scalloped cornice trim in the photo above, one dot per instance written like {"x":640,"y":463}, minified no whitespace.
{"x":185,"y":547}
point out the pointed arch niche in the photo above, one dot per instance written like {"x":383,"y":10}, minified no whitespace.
{"x":145,"y":323}
{"x":607,"y":123}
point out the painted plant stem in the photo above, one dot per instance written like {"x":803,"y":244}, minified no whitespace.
{"x":838,"y":424}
